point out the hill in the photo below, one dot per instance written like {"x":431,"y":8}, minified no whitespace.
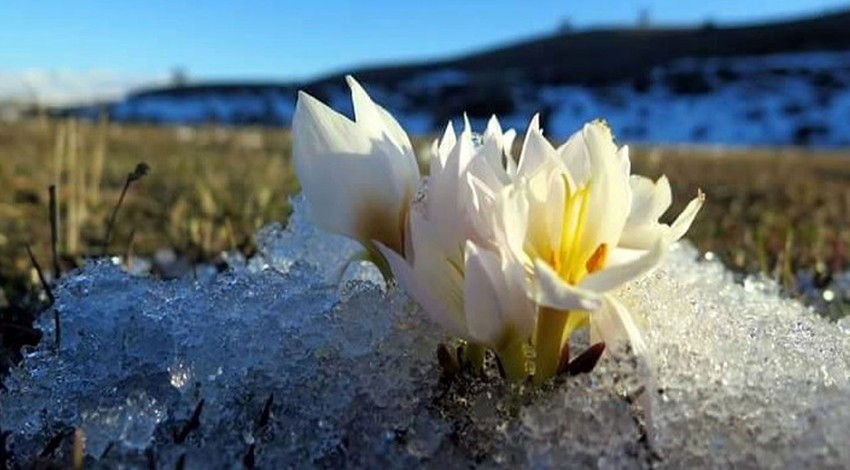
{"x":617,"y":72}
{"x":609,"y":55}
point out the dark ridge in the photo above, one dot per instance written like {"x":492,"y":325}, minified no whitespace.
{"x":606,"y":55}
{"x":589,"y":57}
{"x":258,"y":88}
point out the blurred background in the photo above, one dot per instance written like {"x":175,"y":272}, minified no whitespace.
{"x":748,"y":100}
{"x":662,"y":71}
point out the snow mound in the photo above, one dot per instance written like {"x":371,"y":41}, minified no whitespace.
{"x":270,"y":364}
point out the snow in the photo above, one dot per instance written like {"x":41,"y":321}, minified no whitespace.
{"x":783,"y":99}
{"x":235,"y":108}
{"x":736,"y":375}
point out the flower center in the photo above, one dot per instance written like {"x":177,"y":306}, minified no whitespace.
{"x":567,"y":258}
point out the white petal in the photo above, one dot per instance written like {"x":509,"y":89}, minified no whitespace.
{"x":643,"y":236}
{"x":513,"y":222}
{"x":510,"y":164}
{"x":378,"y":123}
{"x":467,"y":147}
{"x":497,"y":311}
{"x":441,"y":301}
{"x":610,"y":197}
{"x":683,"y":222}
{"x":491,"y":155}
{"x":488,"y":172}
{"x":376,"y":118}
{"x":347,"y":181}
{"x":320,"y":125}
{"x":508,"y":142}
{"x":573,"y":154}
{"x":521,"y":309}
{"x":447,"y":143}
{"x":616,"y":327}
{"x":504,"y":142}
{"x":649,"y":201}
{"x":535,"y":149}
{"x":448,"y":199}
{"x":623,"y":155}
{"x":555,"y":199}
{"x":467,"y":127}
{"x":613,"y":276}
{"x":552,"y":291}
{"x":493,"y":128}
{"x":482,"y":210}
{"x":620,"y":255}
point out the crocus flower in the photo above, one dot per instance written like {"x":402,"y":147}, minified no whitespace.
{"x":564,"y":221}
{"x":502,"y":254}
{"x":358,"y":176}
{"x":454,"y":268}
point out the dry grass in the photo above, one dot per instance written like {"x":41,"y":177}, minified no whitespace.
{"x":209,"y":189}
{"x":769,"y":210}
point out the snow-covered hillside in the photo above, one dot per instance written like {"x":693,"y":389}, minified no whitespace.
{"x":780,"y":99}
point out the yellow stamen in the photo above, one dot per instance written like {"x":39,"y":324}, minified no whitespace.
{"x":554,"y":327}
{"x":571,"y":268}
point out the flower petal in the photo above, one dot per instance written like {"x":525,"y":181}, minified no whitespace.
{"x":616,"y":327}
{"x":649,"y":202}
{"x":355,"y":187}
{"x":682,"y":223}
{"x":482,"y":208}
{"x":574,"y":156}
{"x":436,"y":295}
{"x":613,"y":276}
{"x":551,"y":291}
{"x":494,"y":129}
{"x":536,"y":150}
{"x":610,"y":198}
{"x":497,"y":310}
{"x":512,"y":223}
{"x":385,"y":130}
{"x":375,"y":118}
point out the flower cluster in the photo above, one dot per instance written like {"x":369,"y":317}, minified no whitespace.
{"x":509,"y":254}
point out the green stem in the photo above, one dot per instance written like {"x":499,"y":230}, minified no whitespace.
{"x":550,"y":329}
{"x":513,"y":361}
{"x":375,"y":256}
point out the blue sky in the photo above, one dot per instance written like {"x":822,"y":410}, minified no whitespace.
{"x":280,"y":39}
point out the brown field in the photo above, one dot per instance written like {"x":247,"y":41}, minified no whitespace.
{"x":210,"y":188}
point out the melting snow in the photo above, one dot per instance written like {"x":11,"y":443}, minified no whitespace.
{"x":737,"y":375}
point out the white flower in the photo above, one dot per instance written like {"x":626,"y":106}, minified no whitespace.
{"x":358,"y":176}
{"x":454,"y":269}
{"x":564,"y":222}
{"x":501,"y":254}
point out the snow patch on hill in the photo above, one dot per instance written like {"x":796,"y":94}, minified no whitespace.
{"x":780,"y":99}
